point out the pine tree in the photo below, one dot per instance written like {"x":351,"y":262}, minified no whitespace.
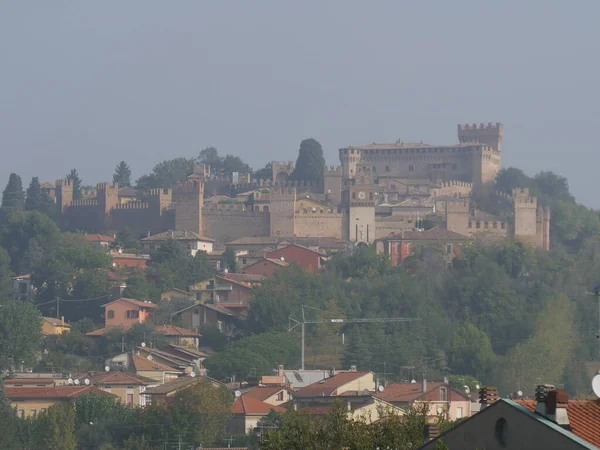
{"x":122,"y":174}
{"x":34,"y":200}
{"x":13,"y":196}
{"x":310,"y":165}
{"x":75,"y":180}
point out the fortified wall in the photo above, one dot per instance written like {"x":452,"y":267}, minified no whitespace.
{"x":229,"y":222}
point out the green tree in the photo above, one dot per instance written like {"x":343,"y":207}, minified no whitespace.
{"x":55,"y":429}
{"x":128,"y":239}
{"x":74,"y":178}
{"x":8,"y":421}
{"x":122,"y":174}
{"x":471,"y":351}
{"x":310,"y":165}
{"x":512,"y":178}
{"x":140,"y":288}
{"x":230,"y":259}
{"x":20,"y":333}
{"x":266,"y":173}
{"x":167,"y":173}
{"x":234,"y":164}
{"x":13,"y":196}
{"x":210,"y":157}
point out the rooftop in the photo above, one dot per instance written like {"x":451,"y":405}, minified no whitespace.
{"x":249,"y":405}
{"x":59,"y":392}
{"x":172,"y":386}
{"x":433,"y":234}
{"x":133,"y":302}
{"x":408,"y":145}
{"x":179,"y":235}
{"x":116,"y":378}
{"x":407,"y":392}
{"x":56,"y":322}
{"x":263,"y":393}
{"x":173,"y":330}
{"x":99,"y":238}
{"x":144,"y":364}
{"x":330,"y":386}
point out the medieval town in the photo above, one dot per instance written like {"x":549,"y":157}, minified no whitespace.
{"x":399,"y":295}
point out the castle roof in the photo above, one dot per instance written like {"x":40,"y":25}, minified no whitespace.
{"x":178,"y":235}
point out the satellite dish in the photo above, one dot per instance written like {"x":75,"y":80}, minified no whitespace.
{"x":226,"y":271}
{"x":366,"y":392}
{"x":86,"y":382}
{"x":520,"y":393}
{"x":150,"y":357}
{"x":192,"y":374}
{"x":238,"y":393}
{"x":70,"y":381}
{"x":282,"y":258}
{"x":143,"y":344}
{"x":477,"y":387}
{"x":380,"y":388}
{"x":413,"y":381}
{"x":107,"y":369}
{"x":467,"y":389}
{"x":596,"y":385}
{"x":76,"y":382}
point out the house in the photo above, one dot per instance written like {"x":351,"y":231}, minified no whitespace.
{"x":190,"y":361}
{"x":32,"y":382}
{"x":127,"y":260}
{"x":299,"y":379}
{"x":163,"y":393}
{"x":192,"y":241}
{"x":400,"y":246}
{"x":307,"y":258}
{"x":440,"y":397}
{"x":223,"y":291}
{"x":123,"y":313}
{"x":22,"y":287}
{"x":266,"y":267}
{"x":179,"y":336}
{"x":175,"y":294}
{"x":143,"y":367}
{"x":355,"y":389}
{"x":201,"y":315}
{"x":29,"y":401}
{"x":127,"y":194}
{"x":100,"y":241}
{"x":272,"y":395}
{"x":246,"y":412}
{"x":52,"y":326}
{"x":128,"y":387}
{"x":550,"y":422}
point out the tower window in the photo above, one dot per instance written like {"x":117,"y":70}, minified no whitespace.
{"x":411,"y":167}
{"x":387,"y":168}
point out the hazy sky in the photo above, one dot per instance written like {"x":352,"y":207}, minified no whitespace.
{"x":86,"y":83}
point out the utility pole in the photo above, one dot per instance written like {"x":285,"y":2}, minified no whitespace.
{"x":293,"y":323}
{"x":57,"y":307}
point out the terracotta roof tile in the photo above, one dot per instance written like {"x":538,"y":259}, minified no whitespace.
{"x":53,"y":392}
{"x":407,"y":392}
{"x":584,"y":418}
{"x":99,"y":238}
{"x":173,"y":330}
{"x":249,"y":405}
{"x":433,"y":234}
{"x":56,"y":322}
{"x":117,"y":378}
{"x":133,"y":302}
{"x":29,"y":381}
{"x":172,"y":386}
{"x":144,"y":364}
{"x":263,"y":393}
{"x":330,"y":385}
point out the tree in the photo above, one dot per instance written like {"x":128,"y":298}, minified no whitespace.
{"x":8,"y":421}
{"x":5,"y":276}
{"x":210,"y":157}
{"x":266,"y":173}
{"x":234,"y":164}
{"x":167,"y":173}
{"x":13,"y":196}
{"x":128,"y":239}
{"x":39,"y":200}
{"x":122,"y":174}
{"x":471,"y":351}
{"x":512,"y":178}
{"x":310,"y":165}
{"x":20,"y":333}
{"x":55,"y":429}
{"x":230,"y":259}
{"x":75,"y":180}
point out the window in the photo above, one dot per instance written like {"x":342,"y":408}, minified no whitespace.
{"x":448,"y":249}
{"x":133,"y":314}
{"x":280,"y":396}
{"x":243,"y":260}
{"x":477,"y":224}
{"x":219,"y":325}
{"x":33,"y":412}
{"x":459,"y":413}
{"x":130,"y":399}
{"x":411,"y":167}
{"x":443,"y":394}
{"x":387,"y":168}
{"x":42,"y":410}
{"x":354,"y":196}
{"x":22,"y":413}
{"x":453,"y":166}
{"x":110,"y":314}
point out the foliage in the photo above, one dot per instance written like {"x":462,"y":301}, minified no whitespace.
{"x":20,"y":332}
{"x":39,"y":200}
{"x":511,"y":178}
{"x":122,"y":175}
{"x":471,"y":351}
{"x":128,"y":239}
{"x":222,"y":165}
{"x":213,"y":338}
{"x":55,"y":429}
{"x":310,"y":165}
{"x":266,"y":173}
{"x":140,"y":288}
{"x":75,"y":180}
{"x":13,"y":196}
{"x":230,"y":260}
{"x":166,"y":174}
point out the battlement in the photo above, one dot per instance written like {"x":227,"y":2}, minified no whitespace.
{"x":106,"y":186}
{"x":283,"y":164}
{"x":133,"y":205}
{"x":522,"y":196}
{"x":283,"y":191}
{"x":333,"y":171}
{"x":489,"y":225}
{"x":456,"y":183}
{"x":159,"y":191}
{"x":458,"y":205}
{"x":188,"y":187}
{"x":63,"y":182}
{"x":268,"y":184}
{"x":237,"y":208}
{"x":84,"y":202}
{"x":482,"y":126}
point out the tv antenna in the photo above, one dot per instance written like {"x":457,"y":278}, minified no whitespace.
{"x":293,"y":323}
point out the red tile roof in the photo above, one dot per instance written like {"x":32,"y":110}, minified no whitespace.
{"x":116,"y":378}
{"x":56,"y":322}
{"x":408,"y":392}
{"x":329,"y":386}
{"x":584,"y":418}
{"x":99,"y":238}
{"x":145,"y":364}
{"x":316,"y":410}
{"x":53,"y":392}
{"x":133,"y":302}
{"x":249,"y":405}
{"x":433,"y":234}
{"x":263,"y":393}
{"x":29,"y":381}
{"x":172,"y":330}
{"x":239,"y":283}
{"x":103,"y":331}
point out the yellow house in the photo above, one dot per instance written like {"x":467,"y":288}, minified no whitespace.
{"x":29,"y":401}
{"x":52,"y":326}
{"x":129,"y":388}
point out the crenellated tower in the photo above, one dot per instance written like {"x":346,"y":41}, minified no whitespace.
{"x":359,"y":200}
{"x":189,"y":200}
{"x":489,"y":134}
{"x":350,"y":158}
{"x":525,"y":212}
{"x":332,"y":184}
{"x":457,"y":216}
{"x":283,"y":209}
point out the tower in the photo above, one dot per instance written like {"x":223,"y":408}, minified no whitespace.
{"x":64,"y":195}
{"x":350,"y":158}
{"x":543,"y":227}
{"x":189,"y":200}
{"x":332,"y":184}
{"x":457,"y":216}
{"x":108,"y":199}
{"x":359,"y":198}
{"x":282,"y":170}
{"x":283,"y":208}
{"x":525,"y":216}
{"x":489,"y":134}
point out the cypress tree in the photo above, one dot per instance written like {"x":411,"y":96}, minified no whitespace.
{"x":122,"y":174}
{"x":310,"y":165}
{"x":34,"y":199}
{"x":13,"y":196}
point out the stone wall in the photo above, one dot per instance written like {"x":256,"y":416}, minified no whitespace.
{"x":317,"y":224}
{"x":283,"y":205}
{"x":189,"y":199}
{"x":226,"y":225}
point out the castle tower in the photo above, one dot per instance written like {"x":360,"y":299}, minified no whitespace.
{"x":543,"y":227}
{"x":350,"y":158}
{"x":159,"y":200}
{"x":457,"y":216}
{"x":359,"y":199}
{"x":282,"y":170}
{"x":189,"y":200}
{"x":64,"y":195}
{"x":332,"y":183}
{"x":525,"y":216}
{"x":283,"y":209}
{"x":108,"y":199}
{"x":489,"y":134}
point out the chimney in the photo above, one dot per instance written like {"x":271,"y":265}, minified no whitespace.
{"x":424,"y":384}
{"x":172,"y":234}
{"x":557,"y":404}
{"x":280,"y":370}
{"x":352,"y":368}
{"x":487,"y":396}
{"x":541,"y":396}
{"x":432,"y":431}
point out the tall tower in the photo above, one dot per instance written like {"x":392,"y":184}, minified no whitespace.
{"x":457,"y":216}
{"x":332,"y":184}
{"x":64,"y":195}
{"x":350,"y":158}
{"x":108,"y":199}
{"x":489,"y":134}
{"x":525,"y":216}
{"x":283,"y":208}
{"x":189,"y":200}
{"x":359,"y":198}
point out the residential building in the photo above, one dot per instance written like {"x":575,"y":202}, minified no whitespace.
{"x":307,"y":258}
{"x":30,"y":401}
{"x":175,"y":294}
{"x":551,"y":422}
{"x":194,"y":242}
{"x":247,"y":412}
{"x":128,"y":387}
{"x":32,"y":382}
{"x":164,"y":393}
{"x":52,"y":326}
{"x":100,"y":240}
{"x":202,"y":315}
{"x":129,"y":260}
{"x":179,"y":336}
{"x":22,"y":286}
{"x":125,"y":312}
{"x":441,"y":398}
{"x":400,"y":246}
{"x":266,"y":267}
{"x":184,"y":359}
{"x":142,"y":366}
{"x":272,"y":395}
{"x":223,"y":291}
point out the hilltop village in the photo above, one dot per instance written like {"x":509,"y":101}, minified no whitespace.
{"x":386,"y":294}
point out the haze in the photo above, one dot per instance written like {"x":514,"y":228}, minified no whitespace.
{"x":86,"y":84}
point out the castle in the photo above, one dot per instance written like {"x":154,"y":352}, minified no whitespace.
{"x":378,"y":189}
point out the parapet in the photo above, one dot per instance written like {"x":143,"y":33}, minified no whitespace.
{"x":282,"y":191}
{"x":482,"y":126}
{"x":189,"y":186}
{"x":63,"y":182}
{"x":84,"y":202}
{"x":106,"y":186}
{"x":333,"y":171}
{"x":132,"y":205}
{"x":522,"y":196}
{"x":159,"y":192}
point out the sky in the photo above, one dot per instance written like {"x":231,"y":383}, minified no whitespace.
{"x":85,"y":84}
